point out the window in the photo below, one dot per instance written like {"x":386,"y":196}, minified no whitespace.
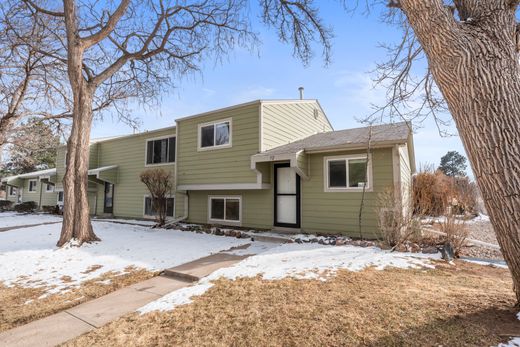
{"x":215,"y":135}
{"x":225,"y":209}
{"x":347,"y":173}
{"x":49,"y":188}
{"x":32,"y":186}
{"x":160,"y":151}
{"x":150,"y":211}
{"x":12,"y":191}
{"x":60,"y":198}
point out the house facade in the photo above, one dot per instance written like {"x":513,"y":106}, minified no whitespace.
{"x":267,"y":164}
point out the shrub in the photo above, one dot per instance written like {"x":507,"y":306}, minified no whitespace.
{"x":5,"y":205}
{"x":159,"y":183}
{"x":456,"y":233}
{"x":28,"y":206}
{"x":54,"y":209}
{"x":465,"y":193}
{"x":430,"y":193}
{"x":396,"y":224}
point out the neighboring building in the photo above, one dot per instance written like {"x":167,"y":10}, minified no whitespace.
{"x":273,"y":164}
{"x":37,"y":186}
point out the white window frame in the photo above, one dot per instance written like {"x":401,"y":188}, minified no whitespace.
{"x":326,"y":160}
{"x":225,"y":221}
{"x":9,"y":191}
{"x":215,"y":123}
{"x":47,"y":185}
{"x":153,"y":217}
{"x":154,"y":139}
{"x":29,"y":186}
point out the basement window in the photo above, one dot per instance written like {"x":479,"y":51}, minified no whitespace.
{"x":149,"y":211}
{"x":215,"y":134}
{"x":347,"y":173}
{"x":225,"y":209}
{"x":160,"y":151}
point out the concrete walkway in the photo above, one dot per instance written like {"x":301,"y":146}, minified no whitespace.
{"x":68,"y":324}
{"x":26,"y":226}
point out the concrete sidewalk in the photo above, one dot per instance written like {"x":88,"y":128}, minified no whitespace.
{"x":68,"y":324}
{"x":26,"y":226}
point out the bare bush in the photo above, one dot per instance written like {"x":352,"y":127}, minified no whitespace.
{"x":466,"y":194}
{"x":396,"y":224}
{"x":430,"y":193}
{"x":456,"y":233}
{"x":159,"y":183}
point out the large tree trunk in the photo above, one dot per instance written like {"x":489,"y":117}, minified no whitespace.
{"x":476,"y":68}
{"x":76,"y":219}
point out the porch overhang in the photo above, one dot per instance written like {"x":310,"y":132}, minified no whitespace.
{"x":14,"y":181}
{"x":298,"y":161}
{"x":103,"y":174}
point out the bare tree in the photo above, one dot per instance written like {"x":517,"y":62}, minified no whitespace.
{"x":160,"y":185}
{"x":128,"y":49}
{"x":32,"y":84}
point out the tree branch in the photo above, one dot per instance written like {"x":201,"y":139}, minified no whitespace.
{"x":108,"y":27}
{"x":43,"y":10}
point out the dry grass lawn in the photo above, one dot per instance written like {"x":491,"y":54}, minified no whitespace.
{"x":462,"y":305}
{"x":19,"y":305}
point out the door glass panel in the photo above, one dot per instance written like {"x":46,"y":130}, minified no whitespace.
{"x":217,"y":209}
{"x":286,"y":183}
{"x":232,"y":209}
{"x":170,"y":202}
{"x":286,"y":209}
{"x":109,"y":192}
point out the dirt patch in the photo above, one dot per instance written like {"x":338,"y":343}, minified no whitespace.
{"x":20,"y":305}
{"x":462,"y":305}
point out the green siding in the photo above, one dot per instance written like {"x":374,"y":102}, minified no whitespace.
{"x":287,"y":122}
{"x":47,"y":198}
{"x":219,"y":166}
{"x":128,"y":153}
{"x":337,"y":212}
{"x":257,"y":206}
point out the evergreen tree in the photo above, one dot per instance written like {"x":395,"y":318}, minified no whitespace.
{"x":453,"y":164}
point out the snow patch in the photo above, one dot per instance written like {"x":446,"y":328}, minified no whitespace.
{"x":300,"y":261}
{"x":13,"y":219}
{"x":514,"y":342}
{"x":30,"y":258}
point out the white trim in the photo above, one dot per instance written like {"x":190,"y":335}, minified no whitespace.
{"x":169,"y":196}
{"x":328,"y":189}
{"x":261,"y":127}
{"x":29,"y":186}
{"x":225,"y":221}
{"x":225,"y":186}
{"x":159,"y":138}
{"x":215,"y":123}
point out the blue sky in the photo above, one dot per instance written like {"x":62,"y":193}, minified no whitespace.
{"x":344,"y":87}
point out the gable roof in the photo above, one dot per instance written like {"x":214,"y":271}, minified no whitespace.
{"x":357,"y":137}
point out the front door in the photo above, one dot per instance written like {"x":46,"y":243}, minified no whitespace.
{"x":109,"y":198}
{"x":286,"y":196}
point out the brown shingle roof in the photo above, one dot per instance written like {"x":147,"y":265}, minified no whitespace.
{"x":386,"y":133}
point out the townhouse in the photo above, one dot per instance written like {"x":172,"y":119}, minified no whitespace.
{"x":268,"y":164}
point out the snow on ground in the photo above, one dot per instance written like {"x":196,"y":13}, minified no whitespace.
{"x":302,"y":261}
{"x":127,"y":221}
{"x":13,"y":219}
{"x":29,"y":257}
{"x":514,"y":342}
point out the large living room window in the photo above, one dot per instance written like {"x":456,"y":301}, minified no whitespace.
{"x":149,"y":211}
{"x":215,"y":134}
{"x":225,"y":209}
{"x":160,"y":151}
{"x":347,"y":173}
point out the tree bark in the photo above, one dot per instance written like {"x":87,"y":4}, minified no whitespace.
{"x":76,"y":220}
{"x":475,"y":64}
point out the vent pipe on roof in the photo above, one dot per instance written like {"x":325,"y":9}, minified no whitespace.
{"x":301,"y":89}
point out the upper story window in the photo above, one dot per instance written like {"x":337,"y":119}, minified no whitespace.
{"x":347,"y":173}
{"x":32,"y":185}
{"x":215,"y":134}
{"x":160,"y":151}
